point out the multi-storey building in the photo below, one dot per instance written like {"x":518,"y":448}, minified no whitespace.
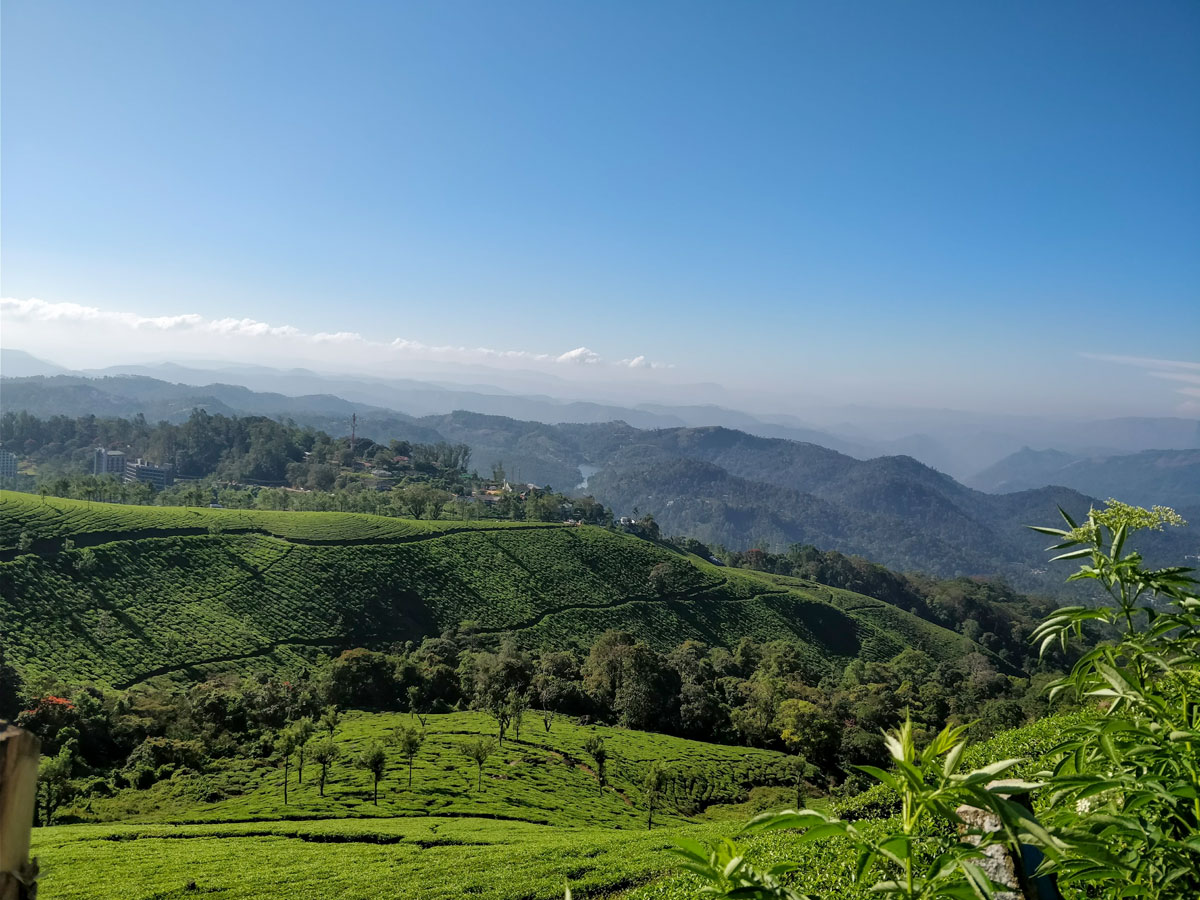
{"x":8,"y":464}
{"x":108,"y":462}
{"x":149,"y":473}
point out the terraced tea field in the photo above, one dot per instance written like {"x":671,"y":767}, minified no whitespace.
{"x":492,"y":847}
{"x":48,"y":521}
{"x":154,"y":602}
{"x":416,"y":859}
{"x":541,"y":818}
{"x":542,"y":777}
{"x":166,"y":593}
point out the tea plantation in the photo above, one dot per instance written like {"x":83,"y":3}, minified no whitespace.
{"x":115,"y":596}
{"x":540,"y":817}
{"x":540,"y":820}
{"x":48,"y":520}
{"x":542,"y":777}
{"x":149,"y":597}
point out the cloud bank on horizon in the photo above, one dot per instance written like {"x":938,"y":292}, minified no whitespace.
{"x":81,"y":336}
{"x":1182,"y":372}
{"x":91,"y":336}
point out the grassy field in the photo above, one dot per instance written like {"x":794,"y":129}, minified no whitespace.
{"x":542,"y":777}
{"x":151,"y":601}
{"x":539,"y":820}
{"x":411,"y":858}
{"x":390,"y":852}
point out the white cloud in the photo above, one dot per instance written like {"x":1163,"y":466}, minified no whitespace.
{"x":1184,"y":371}
{"x":55,"y":327}
{"x":1186,"y":377}
{"x":579,"y":355}
{"x":1144,"y":361}
{"x":640,"y":362}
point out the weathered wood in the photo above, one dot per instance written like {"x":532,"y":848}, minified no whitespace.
{"x":1016,"y":871}
{"x":19,"y":752}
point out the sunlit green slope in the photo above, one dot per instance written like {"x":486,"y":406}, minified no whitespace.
{"x":135,"y":597}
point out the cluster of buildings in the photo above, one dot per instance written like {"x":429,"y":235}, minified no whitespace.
{"x":491,"y":493}
{"x":8,"y":464}
{"x":115,"y":462}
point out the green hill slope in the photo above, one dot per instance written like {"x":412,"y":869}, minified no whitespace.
{"x":446,"y":833}
{"x":445,"y":838}
{"x":163,"y":590}
{"x":47,"y":523}
{"x":543,"y":777}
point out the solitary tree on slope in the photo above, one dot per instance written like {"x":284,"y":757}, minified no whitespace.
{"x":408,"y":741}
{"x":374,"y":760}
{"x":479,"y":750}
{"x":594,"y":747}
{"x":324,"y":752}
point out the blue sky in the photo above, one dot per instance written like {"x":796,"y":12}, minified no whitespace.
{"x":933,"y":203}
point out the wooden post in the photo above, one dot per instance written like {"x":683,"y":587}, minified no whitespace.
{"x":1017,"y":872}
{"x":19,"y":751}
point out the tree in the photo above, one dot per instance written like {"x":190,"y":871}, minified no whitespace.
{"x":414,"y":705}
{"x":329,"y":720}
{"x":285,"y":746}
{"x":303,"y":730}
{"x":324,"y":753}
{"x":807,"y":731}
{"x":594,"y":747}
{"x":498,"y":708}
{"x":374,"y":760}
{"x":54,"y":782}
{"x":422,"y":500}
{"x":85,"y":562}
{"x":408,"y":740}
{"x":362,"y":678}
{"x":652,"y":784}
{"x":518,"y":703}
{"x":479,"y":750}
{"x":631,"y":679}
{"x":799,"y":769}
{"x":494,"y":677}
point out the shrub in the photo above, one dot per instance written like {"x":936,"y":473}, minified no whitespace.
{"x":1121,"y":803}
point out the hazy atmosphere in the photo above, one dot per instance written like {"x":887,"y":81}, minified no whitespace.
{"x":659,"y":450}
{"x":989,"y":209}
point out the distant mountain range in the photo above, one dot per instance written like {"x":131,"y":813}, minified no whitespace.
{"x":715,"y":483}
{"x":958,"y":443}
{"x":1167,"y":477}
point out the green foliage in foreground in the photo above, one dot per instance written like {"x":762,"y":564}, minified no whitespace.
{"x":1120,"y":803}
